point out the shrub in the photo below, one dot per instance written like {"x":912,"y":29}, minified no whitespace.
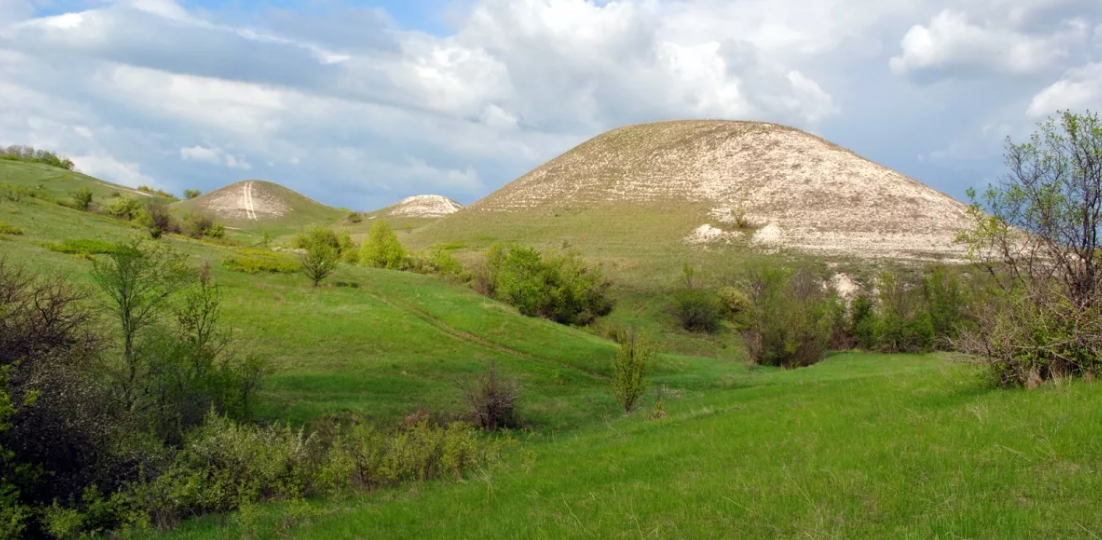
{"x":192,"y":193}
{"x":318,"y":262}
{"x":558,"y":287}
{"x":904,"y":325}
{"x":791,"y":326}
{"x":946,"y":305}
{"x":253,"y":261}
{"x":158,"y":219}
{"x":698,"y":310}
{"x":84,"y":246}
{"x":82,"y":198}
{"x":438,"y":261}
{"x":493,"y":401}
{"x":629,"y":367}
{"x":125,"y":207}
{"x":199,"y":225}
{"x":355,"y":217}
{"x":864,"y":324}
{"x":10,"y":229}
{"x":381,"y":249}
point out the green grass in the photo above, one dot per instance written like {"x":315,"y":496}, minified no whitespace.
{"x":59,"y":184}
{"x":861,"y":446}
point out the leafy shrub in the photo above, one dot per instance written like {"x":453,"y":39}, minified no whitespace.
{"x":698,"y":310}
{"x":904,"y":325}
{"x":558,"y":287}
{"x":125,"y":207}
{"x":736,"y":304}
{"x":355,"y":217}
{"x":438,"y":261}
{"x":82,"y":198}
{"x":318,"y":262}
{"x":864,"y":323}
{"x":381,"y":249}
{"x":791,"y":326}
{"x":192,"y":193}
{"x":10,"y":229}
{"x":200,"y":225}
{"x":158,"y":220}
{"x":84,"y":246}
{"x":253,"y":261}
{"x":946,"y":304}
{"x":629,"y":367}
{"x":493,"y":401}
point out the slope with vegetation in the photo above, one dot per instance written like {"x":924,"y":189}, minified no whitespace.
{"x":372,"y":366}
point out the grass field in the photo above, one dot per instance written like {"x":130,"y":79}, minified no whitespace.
{"x":859,"y":446}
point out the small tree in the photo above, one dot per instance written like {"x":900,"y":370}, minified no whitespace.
{"x":192,"y":193}
{"x":318,"y":262}
{"x":82,"y":198}
{"x":158,"y":219}
{"x":382,"y":249}
{"x":1038,"y":235}
{"x":628,"y":368}
{"x":493,"y":401}
{"x":138,"y":282}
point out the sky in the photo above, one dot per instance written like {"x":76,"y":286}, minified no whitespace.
{"x":360,"y":103}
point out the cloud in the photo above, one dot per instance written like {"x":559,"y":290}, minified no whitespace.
{"x":1078,"y":89}
{"x":106,"y":166}
{"x":214,"y":156}
{"x":952,"y":41}
{"x":337,"y":101}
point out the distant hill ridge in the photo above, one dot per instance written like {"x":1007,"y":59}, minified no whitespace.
{"x":424,"y":206}
{"x":796,"y":190}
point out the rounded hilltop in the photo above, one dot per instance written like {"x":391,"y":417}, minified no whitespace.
{"x":423,"y":206}
{"x":770,"y":185}
{"x":250,"y":201}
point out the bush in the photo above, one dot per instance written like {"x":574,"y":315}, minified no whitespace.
{"x":737,"y":306}
{"x":199,"y":225}
{"x":438,"y":261}
{"x":381,"y":249}
{"x":558,"y":287}
{"x":82,"y":198}
{"x":493,"y":401}
{"x":192,"y":193}
{"x":85,"y":246}
{"x":628,"y":369}
{"x":10,"y":229}
{"x":253,"y":261}
{"x":698,"y":310}
{"x":125,"y":207}
{"x":791,"y":326}
{"x":904,"y":325}
{"x":158,"y":219}
{"x":318,"y":262}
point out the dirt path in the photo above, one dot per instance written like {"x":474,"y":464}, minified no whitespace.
{"x":250,"y":211}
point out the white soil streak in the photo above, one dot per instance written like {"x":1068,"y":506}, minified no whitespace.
{"x":250,"y":211}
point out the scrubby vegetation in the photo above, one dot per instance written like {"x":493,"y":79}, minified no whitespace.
{"x":192,"y":193}
{"x":29,"y":154}
{"x":791,"y":325}
{"x":1037,"y":236}
{"x":381,"y":249}
{"x":318,"y":261}
{"x":560,"y":287}
{"x":629,"y":368}
{"x":254,"y":261}
{"x":493,"y":401}
{"x":83,"y":246}
{"x":10,"y":229}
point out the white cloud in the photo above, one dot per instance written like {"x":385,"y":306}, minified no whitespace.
{"x":214,"y":156}
{"x":1078,"y":89}
{"x":952,"y":40}
{"x":342,"y":104}
{"x":105,"y":166}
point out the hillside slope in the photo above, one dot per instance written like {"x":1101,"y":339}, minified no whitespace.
{"x":796,"y":191}
{"x":60,"y":183}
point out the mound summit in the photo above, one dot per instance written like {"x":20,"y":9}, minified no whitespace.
{"x":793,"y":189}
{"x":256,"y":200}
{"x":423,"y":206}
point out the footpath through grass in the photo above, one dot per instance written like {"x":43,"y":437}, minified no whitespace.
{"x":861,"y":446}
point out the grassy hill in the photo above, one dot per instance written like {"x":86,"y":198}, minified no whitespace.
{"x":59,"y":183}
{"x":859,"y":446}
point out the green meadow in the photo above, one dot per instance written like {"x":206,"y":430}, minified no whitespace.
{"x":857,"y":446}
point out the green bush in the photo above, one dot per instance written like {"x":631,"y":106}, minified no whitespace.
{"x":438,"y":261}
{"x":381,"y":249}
{"x":493,"y":401}
{"x":737,"y":305}
{"x":125,"y":207}
{"x":698,"y":310}
{"x":85,"y":246}
{"x":792,"y":323}
{"x":192,"y":193}
{"x":318,"y":262}
{"x":629,"y":367}
{"x":10,"y":229}
{"x":200,"y":225}
{"x":82,"y":198}
{"x":253,"y":261}
{"x":560,"y":287}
